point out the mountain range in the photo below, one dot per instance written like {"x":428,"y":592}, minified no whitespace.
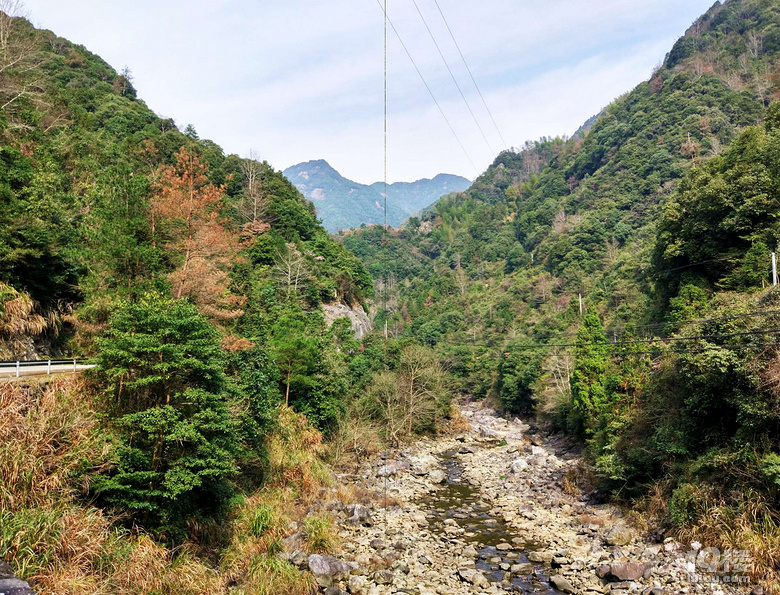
{"x":342,"y":203}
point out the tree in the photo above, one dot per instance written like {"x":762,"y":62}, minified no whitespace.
{"x":589,"y":378}
{"x":294,"y":349}
{"x":161,"y":365}
{"x":205,"y":249}
{"x":255,"y":201}
{"x":411,"y":398}
{"x":19,"y":57}
{"x":291,"y":271}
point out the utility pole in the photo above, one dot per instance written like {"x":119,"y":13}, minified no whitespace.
{"x":580,"y":304}
{"x":774,"y":269}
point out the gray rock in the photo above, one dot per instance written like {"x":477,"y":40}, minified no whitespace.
{"x":562,"y":583}
{"x":519,"y":465}
{"x":359,"y":320}
{"x":299,"y":558}
{"x":359,"y":515}
{"x":437,"y":476}
{"x":14,"y":586}
{"x":356,"y":584}
{"x":383,"y":577}
{"x":333,"y":590}
{"x":475,"y":577}
{"x":387,"y":470}
{"x":327,"y":568}
{"x":6,"y":571}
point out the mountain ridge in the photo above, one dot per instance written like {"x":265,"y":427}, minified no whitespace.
{"x":343,"y":203}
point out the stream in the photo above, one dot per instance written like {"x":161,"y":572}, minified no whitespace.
{"x":503,"y":557}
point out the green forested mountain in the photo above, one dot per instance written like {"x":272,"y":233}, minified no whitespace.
{"x":660,"y":218}
{"x":194,"y":280}
{"x":342,"y":203}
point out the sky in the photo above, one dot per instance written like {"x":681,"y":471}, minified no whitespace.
{"x":296,"y":80}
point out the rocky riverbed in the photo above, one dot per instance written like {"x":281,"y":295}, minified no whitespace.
{"x":494,"y":510}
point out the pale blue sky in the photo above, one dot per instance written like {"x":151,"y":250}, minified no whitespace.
{"x":299,"y":80}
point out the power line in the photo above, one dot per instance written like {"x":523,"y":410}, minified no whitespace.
{"x":454,"y":80}
{"x":473,"y":80}
{"x":422,"y":78}
{"x":659,"y":340}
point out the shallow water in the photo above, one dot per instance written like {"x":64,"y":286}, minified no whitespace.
{"x":461,"y":502}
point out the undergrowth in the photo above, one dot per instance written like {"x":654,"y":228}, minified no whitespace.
{"x":51,"y":444}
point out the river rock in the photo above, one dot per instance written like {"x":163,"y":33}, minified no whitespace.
{"x":357,"y":584}
{"x":359,"y":515}
{"x":387,"y":470}
{"x":618,"y":536}
{"x":475,"y":577}
{"x":519,"y":465}
{"x":437,"y":476}
{"x":382,"y":577}
{"x":326,"y":568}
{"x":562,"y":583}
{"x":627,"y":571}
{"x":299,"y":558}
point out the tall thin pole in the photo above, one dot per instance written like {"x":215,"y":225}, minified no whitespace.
{"x":774,"y":269}
{"x":580,"y":296}
{"x":385,"y":178}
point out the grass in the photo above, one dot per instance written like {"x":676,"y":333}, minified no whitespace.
{"x":51,"y":444}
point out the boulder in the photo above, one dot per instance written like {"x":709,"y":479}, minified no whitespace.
{"x":562,"y":583}
{"x":519,"y":465}
{"x":359,"y":515}
{"x":356,"y":585}
{"x":387,"y":470}
{"x":618,"y":536}
{"x":327,"y":568}
{"x":383,"y":577}
{"x":437,"y":476}
{"x":627,"y":571}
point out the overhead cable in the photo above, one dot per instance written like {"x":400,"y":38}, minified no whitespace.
{"x":422,"y":78}
{"x":473,"y":80}
{"x":452,"y":76}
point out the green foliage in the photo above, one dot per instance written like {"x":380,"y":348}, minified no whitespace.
{"x":683,"y":505}
{"x":590,"y":393}
{"x":161,"y":362}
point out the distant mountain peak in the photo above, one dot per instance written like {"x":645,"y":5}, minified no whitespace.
{"x":342,"y":203}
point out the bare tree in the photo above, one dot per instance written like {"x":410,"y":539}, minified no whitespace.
{"x":755,"y":43}
{"x":19,"y":55}
{"x":409,"y":399}
{"x":255,"y":202}
{"x":291,"y":271}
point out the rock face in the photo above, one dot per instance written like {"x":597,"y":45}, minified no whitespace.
{"x":361,"y":324}
{"x":10,"y":584}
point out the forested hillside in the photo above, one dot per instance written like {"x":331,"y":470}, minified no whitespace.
{"x":194,"y":280}
{"x":660,"y":218}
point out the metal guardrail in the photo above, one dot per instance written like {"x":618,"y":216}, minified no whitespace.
{"x":48,"y":367}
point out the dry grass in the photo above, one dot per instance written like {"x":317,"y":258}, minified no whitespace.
{"x":356,"y":438}
{"x":20,"y":320}
{"x":748,"y":524}
{"x":50,"y":444}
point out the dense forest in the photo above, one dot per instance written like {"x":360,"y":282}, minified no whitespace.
{"x":618,"y":283}
{"x":195,"y":281}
